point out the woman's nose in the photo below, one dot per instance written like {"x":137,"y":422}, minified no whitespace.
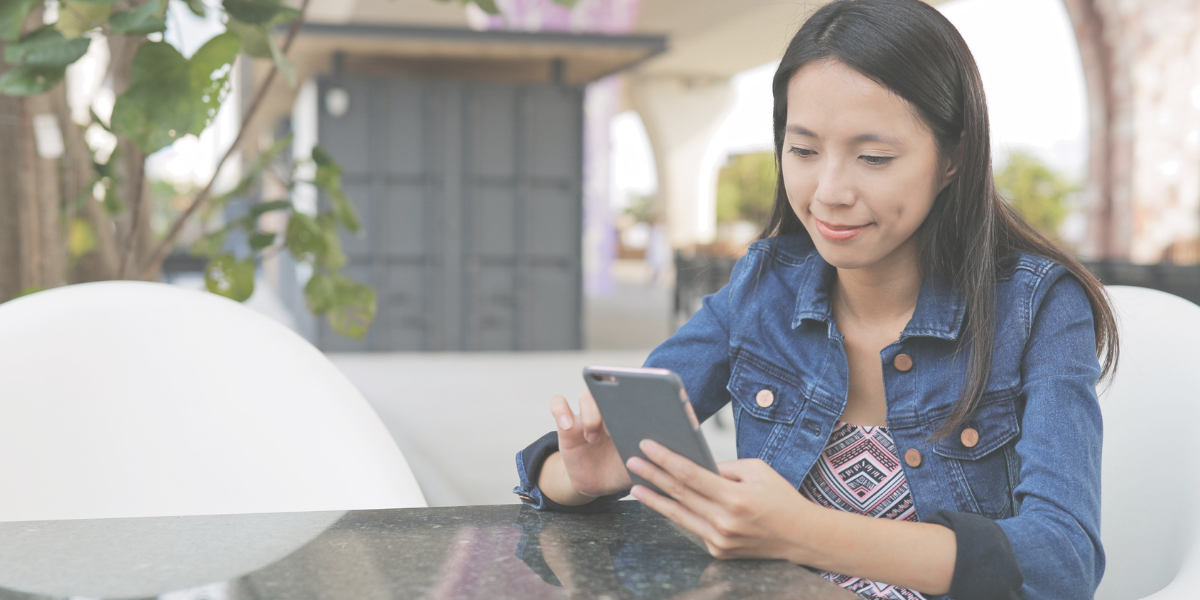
{"x":833,"y":185}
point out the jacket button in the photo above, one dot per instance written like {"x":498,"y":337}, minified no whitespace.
{"x":902,"y":362}
{"x":765,"y":398}
{"x":969,"y":437}
{"x":912,"y":457}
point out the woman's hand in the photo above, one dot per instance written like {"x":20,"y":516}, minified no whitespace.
{"x":748,"y":511}
{"x":587,"y":464}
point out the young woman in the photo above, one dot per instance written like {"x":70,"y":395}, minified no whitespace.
{"x":899,"y":346}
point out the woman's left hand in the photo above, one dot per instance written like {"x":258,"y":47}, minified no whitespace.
{"x":748,"y":511}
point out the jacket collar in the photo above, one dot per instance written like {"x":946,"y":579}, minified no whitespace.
{"x":939,"y":312}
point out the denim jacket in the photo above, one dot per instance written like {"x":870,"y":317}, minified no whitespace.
{"x":1023,"y":499}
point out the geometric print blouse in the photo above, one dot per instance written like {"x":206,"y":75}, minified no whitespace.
{"x":859,"y":471}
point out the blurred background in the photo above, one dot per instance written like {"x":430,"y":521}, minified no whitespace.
{"x":536,"y":185}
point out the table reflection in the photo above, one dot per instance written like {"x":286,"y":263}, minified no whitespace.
{"x":632,"y":553}
{"x":465,"y":553}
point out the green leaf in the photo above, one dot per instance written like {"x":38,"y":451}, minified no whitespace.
{"x":246,"y":183}
{"x":285,"y":66}
{"x":171,"y":96}
{"x":260,"y":12}
{"x":197,"y":7}
{"x":210,"y":244}
{"x":160,"y":106}
{"x":12,"y":17}
{"x":255,"y":38}
{"x":488,"y":6}
{"x":353,"y":308}
{"x":263,"y":208}
{"x":304,"y":238}
{"x":227,"y":276}
{"x":33,"y":289}
{"x":112,"y":203}
{"x":77,"y":18}
{"x":81,"y":238}
{"x":333,"y":257}
{"x":329,"y":180}
{"x":148,"y":18}
{"x":31,"y":81}
{"x":319,"y":294}
{"x":567,"y":3}
{"x":45,"y":48}
{"x":211,"y":67}
{"x":260,"y":240}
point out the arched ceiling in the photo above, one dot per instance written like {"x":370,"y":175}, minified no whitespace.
{"x":706,"y":38}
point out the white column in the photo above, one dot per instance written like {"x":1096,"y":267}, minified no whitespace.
{"x":681,"y":115}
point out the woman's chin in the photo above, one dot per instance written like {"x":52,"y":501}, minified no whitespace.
{"x":844,"y":257}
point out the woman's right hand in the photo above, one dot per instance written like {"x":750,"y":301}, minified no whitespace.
{"x":587,"y":464}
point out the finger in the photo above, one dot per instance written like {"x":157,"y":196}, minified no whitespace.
{"x":678,"y":490}
{"x":589,"y":413}
{"x":737,"y":470}
{"x":562,"y":413}
{"x":680,"y":514}
{"x":681,"y":468}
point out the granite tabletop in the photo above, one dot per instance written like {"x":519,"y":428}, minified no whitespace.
{"x":478,"y":552}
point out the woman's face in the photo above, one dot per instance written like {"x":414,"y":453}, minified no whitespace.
{"x":861,"y":169}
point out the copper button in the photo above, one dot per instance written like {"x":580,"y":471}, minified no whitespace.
{"x":912,"y":457}
{"x":969,"y":437}
{"x":765,"y":398}
{"x":902,"y":362}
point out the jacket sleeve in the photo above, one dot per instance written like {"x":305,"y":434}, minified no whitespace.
{"x":698,"y":353}
{"x":1056,"y":531}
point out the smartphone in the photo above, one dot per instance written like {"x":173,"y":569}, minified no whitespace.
{"x":640,"y":403}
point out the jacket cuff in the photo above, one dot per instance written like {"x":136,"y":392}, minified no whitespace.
{"x":529,"y":467}
{"x":985,"y":565}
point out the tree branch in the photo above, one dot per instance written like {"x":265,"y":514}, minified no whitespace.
{"x":124,"y":271}
{"x":164,"y":247}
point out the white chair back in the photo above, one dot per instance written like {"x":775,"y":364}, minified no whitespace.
{"x":131,"y":399}
{"x":1151,"y":483}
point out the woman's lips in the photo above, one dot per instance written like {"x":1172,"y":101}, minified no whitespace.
{"x":838,"y":233}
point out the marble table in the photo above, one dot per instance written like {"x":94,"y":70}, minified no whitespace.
{"x":484,"y":552}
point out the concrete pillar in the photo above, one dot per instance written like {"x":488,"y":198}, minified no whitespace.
{"x":681,"y":115}
{"x":1142,"y":64}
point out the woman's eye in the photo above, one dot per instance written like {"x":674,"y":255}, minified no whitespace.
{"x":877,"y":160}
{"x":802,"y":152}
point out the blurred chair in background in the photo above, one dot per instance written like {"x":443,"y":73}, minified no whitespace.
{"x":1151,"y":475}
{"x":131,"y":399}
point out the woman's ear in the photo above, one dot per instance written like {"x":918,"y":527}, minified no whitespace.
{"x":950,"y":165}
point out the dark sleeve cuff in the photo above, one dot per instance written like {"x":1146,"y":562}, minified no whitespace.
{"x":985,"y":566}
{"x":529,"y":466}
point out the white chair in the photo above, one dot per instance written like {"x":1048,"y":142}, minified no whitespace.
{"x":1151,"y":475}
{"x":129,"y":399}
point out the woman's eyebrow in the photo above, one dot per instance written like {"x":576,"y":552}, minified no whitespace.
{"x":865,"y":137}
{"x":878,"y":138}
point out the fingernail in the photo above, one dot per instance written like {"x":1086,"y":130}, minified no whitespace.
{"x":634,"y":464}
{"x":637,"y":492}
{"x":648,"y":446}
{"x":564,"y":421}
{"x":591,"y":436}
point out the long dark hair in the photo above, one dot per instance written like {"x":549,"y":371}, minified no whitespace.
{"x":909,"y":48}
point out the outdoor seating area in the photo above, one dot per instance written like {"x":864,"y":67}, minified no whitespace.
{"x":599,"y":299}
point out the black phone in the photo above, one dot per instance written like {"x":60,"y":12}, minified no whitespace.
{"x":643,"y":403}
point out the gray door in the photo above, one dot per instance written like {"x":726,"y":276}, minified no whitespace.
{"x":470,"y":195}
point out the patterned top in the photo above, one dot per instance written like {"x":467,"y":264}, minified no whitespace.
{"x":859,"y":472}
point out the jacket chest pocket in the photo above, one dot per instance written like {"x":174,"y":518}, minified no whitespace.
{"x":767,"y":402}
{"x":980,"y":458}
